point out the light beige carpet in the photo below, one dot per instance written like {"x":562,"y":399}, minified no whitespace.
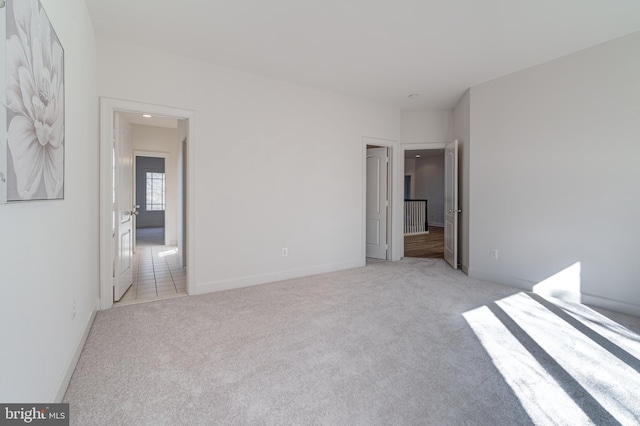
{"x":400,"y":343}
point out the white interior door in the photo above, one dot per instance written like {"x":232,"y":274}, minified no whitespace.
{"x":134,"y":217}
{"x":377,"y":202}
{"x":183,"y":136}
{"x":124,"y":209}
{"x":451,"y":203}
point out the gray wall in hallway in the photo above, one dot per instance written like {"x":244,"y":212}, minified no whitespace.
{"x":147,"y":219}
{"x":429,"y":185}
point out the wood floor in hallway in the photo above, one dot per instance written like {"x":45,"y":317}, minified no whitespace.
{"x":429,"y":245}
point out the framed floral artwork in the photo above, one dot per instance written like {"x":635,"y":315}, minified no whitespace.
{"x":32,"y":122}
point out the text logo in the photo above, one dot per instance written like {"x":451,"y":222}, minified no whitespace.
{"x":35,"y":414}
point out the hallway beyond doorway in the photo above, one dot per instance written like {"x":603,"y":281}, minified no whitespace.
{"x":429,"y":245}
{"x":157,"y":273}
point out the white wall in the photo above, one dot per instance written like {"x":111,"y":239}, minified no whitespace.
{"x":554,"y":173}
{"x":462,"y":132}
{"x":48,"y":249}
{"x":429,"y":185}
{"x":302,"y":153}
{"x":426,"y":126}
{"x":164,"y":140}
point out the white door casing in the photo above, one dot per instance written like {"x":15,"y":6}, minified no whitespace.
{"x":108,"y":107}
{"x":377,"y":203}
{"x":451,"y":210}
{"x":124,"y":210}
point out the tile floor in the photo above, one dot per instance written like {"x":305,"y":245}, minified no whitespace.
{"x":157,"y":274}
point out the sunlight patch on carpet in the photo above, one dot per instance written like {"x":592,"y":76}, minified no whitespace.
{"x":543,"y":400}
{"x":566,"y":363}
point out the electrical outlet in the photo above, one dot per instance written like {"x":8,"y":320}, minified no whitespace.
{"x":73,"y":308}
{"x":285,"y":251}
{"x":494,"y":253}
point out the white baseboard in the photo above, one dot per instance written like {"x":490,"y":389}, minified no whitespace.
{"x":252,"y":280}
{"x":585,"y":298}
{"x":501,"y":279}
{"x":612,"y":305}
{"x":64,"y":383}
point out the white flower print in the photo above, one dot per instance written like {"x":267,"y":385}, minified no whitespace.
{"x":35,"y":92}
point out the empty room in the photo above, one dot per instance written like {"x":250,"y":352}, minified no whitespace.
{"x":269,"y":263}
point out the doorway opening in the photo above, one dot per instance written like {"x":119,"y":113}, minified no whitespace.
{"x":432,"y":229}
{"x":145,"y":202}
{"x":155,"y":270}
{"x":424,"y":203}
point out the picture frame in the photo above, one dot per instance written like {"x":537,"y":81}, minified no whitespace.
{"x":32,"y":104}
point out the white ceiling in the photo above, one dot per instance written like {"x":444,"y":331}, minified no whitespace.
{"x":155,"y":121}
{"x":380,"y":50}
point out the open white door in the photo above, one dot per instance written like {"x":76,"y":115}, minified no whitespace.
{"x":124,"y":209}
{"x":451,"y":203}
{"x":377,"y":202}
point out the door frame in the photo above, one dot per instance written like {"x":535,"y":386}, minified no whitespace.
{"x":414,"y":147}
{"x":394,"y":187}
{"x":153,"y":154}
{"x":108,"y":107}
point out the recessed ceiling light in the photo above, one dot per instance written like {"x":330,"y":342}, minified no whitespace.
{"x":417,"y":155}
{"x":414,"y":96}
{"x":146,"y":115}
